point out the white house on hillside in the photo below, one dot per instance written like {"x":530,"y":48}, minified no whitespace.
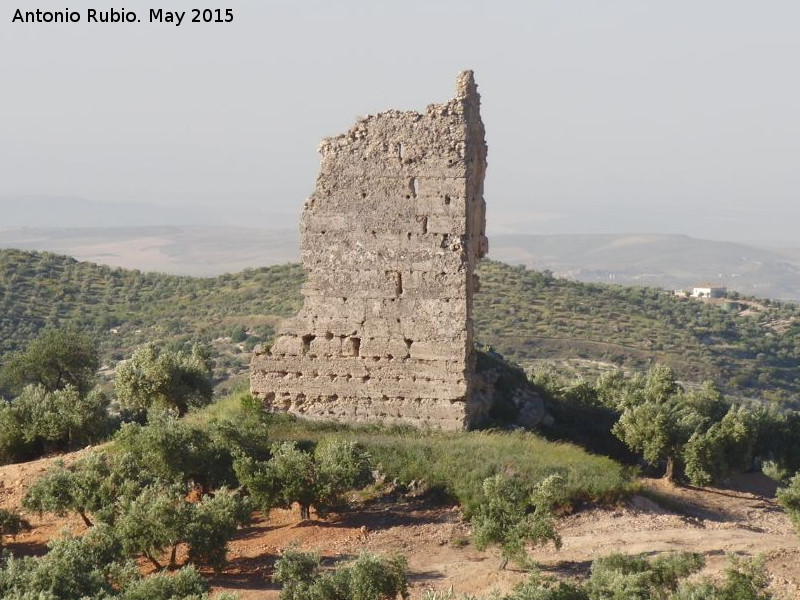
{"x":709,"y":290}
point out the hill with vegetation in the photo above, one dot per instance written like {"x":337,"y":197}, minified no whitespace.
{"x":528,"y":316}
{"x":127,"y":308}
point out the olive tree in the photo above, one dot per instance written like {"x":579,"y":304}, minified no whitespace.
{"x":161,"y":519}
{"x":39,"y":421}
{"x":513,"y":515}
{"x":368,"y":577}
{"x":95,"y":487}
{"x":164,"y":378}
{"x":726,"y":447}
{"x":315,"y":479}
{"x":55,"y":359}
{"x":654,"y":419}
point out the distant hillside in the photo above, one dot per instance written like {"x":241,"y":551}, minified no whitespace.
{"x":526,"y":315}
{"x":531,"y":316}
{"x":198,"y":251}
{"x":668,"y":261}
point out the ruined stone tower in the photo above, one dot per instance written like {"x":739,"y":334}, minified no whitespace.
{"x":389,"y":240}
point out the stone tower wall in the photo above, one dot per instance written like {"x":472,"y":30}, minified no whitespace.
{"x":389,"y":239}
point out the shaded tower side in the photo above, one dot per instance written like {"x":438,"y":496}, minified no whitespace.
{"x":389,"y":240}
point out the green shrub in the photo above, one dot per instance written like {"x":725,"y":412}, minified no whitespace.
{"x":156,"y":520}
{"x":73,"y":569}
{"x":95,"y":487}
{"x":165,"y":379}
{"x":368,"y":577}
{"x":93,"y":568}
{"x":161,"y":519}
{"x":726,"y":447}
{"x":341,"y":465}
{"x":315,"y":479}
{"x":184,"y":584}
{"x":174,"y":450}
{"x":296,"y":572}
{"x":55,"y":359}
{"x":513,"y":515}
{"x":745,"y":579}
{"x":789,"y":499}
{"x":212,"y":523}
{"x":624,"y":577}
{"x":11,"y":523}
{"x":149,"y":514}
{"x":40,"y":420}
{"x":239,"y":425}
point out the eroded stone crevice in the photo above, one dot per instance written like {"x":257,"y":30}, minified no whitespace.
{"x":389,"y":239}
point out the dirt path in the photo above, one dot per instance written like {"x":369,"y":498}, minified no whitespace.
{"x":743,"y":520}
{"x":714,"y":522}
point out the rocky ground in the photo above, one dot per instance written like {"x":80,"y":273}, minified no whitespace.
{"x":742,"y":519}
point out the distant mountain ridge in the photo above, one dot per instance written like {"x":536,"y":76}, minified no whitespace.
{"x":668,"y":261}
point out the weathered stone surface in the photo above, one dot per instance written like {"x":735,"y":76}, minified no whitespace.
{"x":389,"y":239}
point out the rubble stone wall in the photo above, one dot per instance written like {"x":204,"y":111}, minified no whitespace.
{"x":389,"y":240}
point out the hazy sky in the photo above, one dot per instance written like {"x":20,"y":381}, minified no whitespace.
{"x":614,"y":116}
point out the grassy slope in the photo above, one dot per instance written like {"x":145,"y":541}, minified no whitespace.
{"x":524,"y":314}
{"x":455,"y":463}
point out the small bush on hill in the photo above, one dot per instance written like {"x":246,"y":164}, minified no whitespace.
{"x":513,"y":514}
{"x":368,"y":577}
{"x":12,"y":524}
{"x":789,"y":499}
{"x":186,"y":584}
{"x":635,"y":578}
{"x":212,"y":523}
{"x":745,"y":579}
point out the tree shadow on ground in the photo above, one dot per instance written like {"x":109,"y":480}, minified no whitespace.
{"x":388,"y":512}
{"x":247,"y":573}
{"x":26,"y":548}
{"x":568,"y":568}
